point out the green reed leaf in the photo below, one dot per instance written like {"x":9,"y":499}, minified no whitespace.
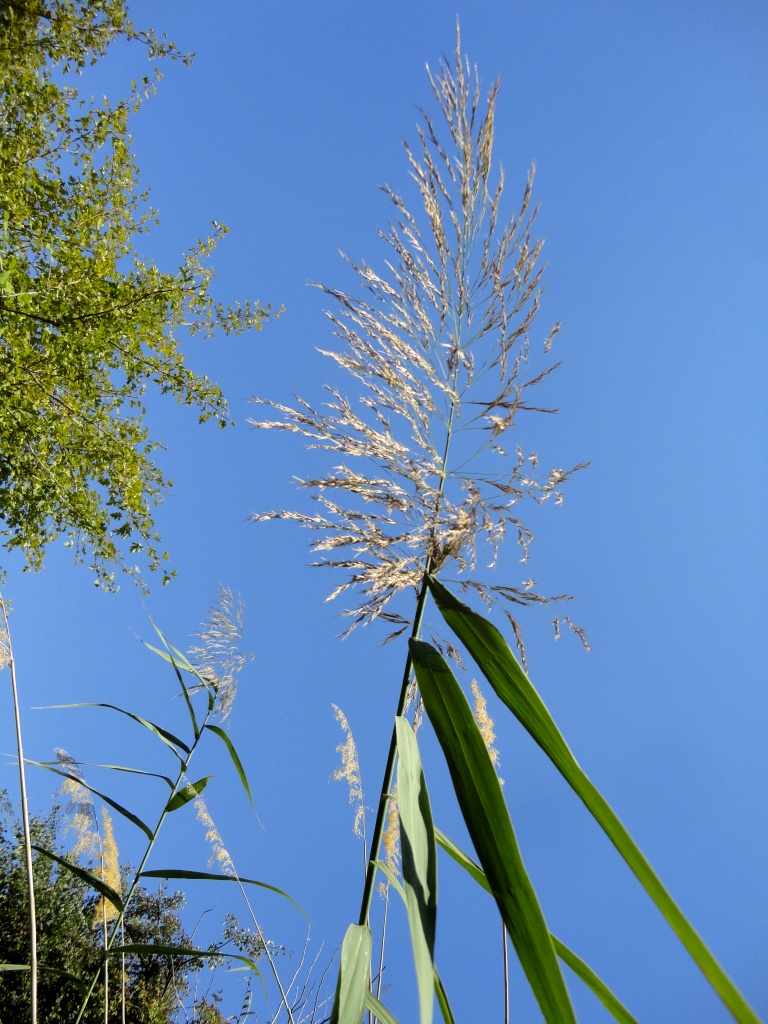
{"x":485,"y":813}
{"x":354,"y":976}
{"x":58,"y":971}
{"x":212,"y":876}
{"x":379,"y":1010}
{"x":187,"y":793}
{"x":87,"y":876}
{"x":167,"y":737}
{"x":442,"y":1000}
{"x":419,"y":863}
{"x":577,"y":965}
{"x":498,"y":664}
{"x":133,"y":818}
{"x":233,"y":754}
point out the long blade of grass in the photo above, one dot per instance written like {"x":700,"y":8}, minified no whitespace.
{"x":498,"y":664}
{"x":161,"y":949}
{"x":442,"y":1000}
{"x":211,"y":876}
{"x":187,"y":793}
{"x":218,"y":731}
{"x":109,"y":767}
{"x":133,"y":818}
{"x":485,"y":813}
{"x":379,"y":1010}
{"x":58,"y":971}
{"x":419,"y":862}
{"x":178,"y":661}
{"x":87,"y":876}
{"x":354,"y":976}
{"x":577,"y":965}
{"x":163,"y":734}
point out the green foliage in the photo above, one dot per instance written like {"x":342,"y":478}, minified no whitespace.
{"x":69,"y":941}
{"x":86,"y":322}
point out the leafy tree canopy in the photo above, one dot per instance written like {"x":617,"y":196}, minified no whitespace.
{"x":70,"y":938}
{"x":86,"y":322}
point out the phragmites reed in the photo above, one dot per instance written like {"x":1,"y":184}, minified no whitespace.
{"x":109,"y":871}
{"x":217,"y":657}
{"x":486,"y":725}
{"x":429,"y":471}
{"x":349,"y":772}
{"x":220,"y":856}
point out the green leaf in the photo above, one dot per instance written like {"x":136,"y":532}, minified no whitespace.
{"x":178,"y":661}
{"x":167,"y":737}
{"x":577,"y":965}
{"x":187,"y":793}
{"x":482,"y":805}
{"x":379,"y":1010}
{"x":442,"y":1000}
{"x":93,"y":880}
{"x":235,"y":759}
{"x":102,"y":796}
{"x":72,"y":978}
{"x":211,"y":876}
{"x":159,"y":949}
{"x":354,"y":976}
{"x":498,"y":664}
{"x":617,"y":1010}
{"x":419,"y":857}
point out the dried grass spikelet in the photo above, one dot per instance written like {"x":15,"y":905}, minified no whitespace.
{"x":438,"y":345}
{"x":220,"y":856}
{"x":486,"y":726}
{"x":80,"y":809}
{"x":108,"y":871}
{"x":218,"y":657}
{"x":349,"y":771}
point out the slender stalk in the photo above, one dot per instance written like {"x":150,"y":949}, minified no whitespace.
{"x":25,"y":823}
{"x":506,"y":973}
{"x":389,"y":769}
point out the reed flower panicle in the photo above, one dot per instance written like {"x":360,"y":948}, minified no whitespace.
{"x":349,"y":772}
{"x":438,"y":344}
{"x":217,"y":657}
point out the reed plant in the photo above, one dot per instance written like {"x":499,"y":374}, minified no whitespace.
{"x":423,"y":473}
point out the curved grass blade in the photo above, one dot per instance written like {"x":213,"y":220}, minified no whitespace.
{"x":498,"y":664}
{"x":134,"y":819}
{"x":163,"y":734}
{"x":159,"y":949}
{"x":419,"y":862}
{"x":354,"y":976}
{"x":87,"y":876}
{"x":58,"y":971}
{"x":233,"y":754}
{"x":442,"y":1000}
{"x":212,"y":876}
{"x":379,"y":1010}
{"x":112,"y":768}
{"x":577,"y":965}
{"x":485,"y":813}
{"x":179,"y":661}
{"x":617,"y":1010}
{"x":187,"y":793}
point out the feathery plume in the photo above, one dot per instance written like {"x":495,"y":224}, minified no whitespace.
{"x":220,"y":857}
{"x":80,"y":808}
{"x":349,"y":771}
{"x":218,"y":657}
{"x":109,"y":871}
{"x":486,"y":726}
{"x":438,"y":344}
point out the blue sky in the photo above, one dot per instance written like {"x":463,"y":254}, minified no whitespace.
{"x":647,"y":123}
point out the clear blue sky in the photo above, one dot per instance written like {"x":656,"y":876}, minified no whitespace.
{"x":647,"y":123}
